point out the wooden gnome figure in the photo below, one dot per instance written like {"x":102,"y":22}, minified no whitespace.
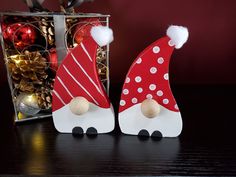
{"x":147,"y":106}
{"x":80,"y":103}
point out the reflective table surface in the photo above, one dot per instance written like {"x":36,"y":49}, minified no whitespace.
{"x":205,"y":147}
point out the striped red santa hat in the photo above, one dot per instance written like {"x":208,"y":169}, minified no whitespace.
{"x":147,"y":106}
{"x":80,"y":103}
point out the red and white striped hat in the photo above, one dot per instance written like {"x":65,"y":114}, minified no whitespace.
{"x":148,"y":79}
{"x":79,"y":99}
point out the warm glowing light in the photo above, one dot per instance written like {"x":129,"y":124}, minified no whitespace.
{"x":15,"y":58}
{"x":17,"y":61}
{"x":37,"y":165}
{"x":28,"y":31}
{"x":30,"y":98}
{"x":9,"y":30}
{"x":75,"y":44}
{"x":21,"y":116}
{"x":38,"y":142}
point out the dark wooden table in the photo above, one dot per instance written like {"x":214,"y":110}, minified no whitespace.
{"x":205,"y":147}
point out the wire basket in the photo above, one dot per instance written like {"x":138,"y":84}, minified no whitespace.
{"x":34,"y":45}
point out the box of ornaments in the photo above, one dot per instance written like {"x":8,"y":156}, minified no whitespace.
{"x":34,"y":45}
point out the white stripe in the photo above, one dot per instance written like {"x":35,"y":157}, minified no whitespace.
{"x":79,"y":84}
{"x":83,"y":47}
{"x":86,"y":74}
{"x":64,"y":87}
{"x":58,"y":96}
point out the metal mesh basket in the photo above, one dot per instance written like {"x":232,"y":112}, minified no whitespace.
{"x":34,"y":44}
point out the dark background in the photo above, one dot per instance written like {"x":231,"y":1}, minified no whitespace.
{"x":203,"y":78}
{"x":209,"y":56}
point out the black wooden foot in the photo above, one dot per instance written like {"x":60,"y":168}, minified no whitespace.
{"x":156,"y":135}
{"x":91,"y":131}
{"x":143,"y":135}
{"x":77,"y":132}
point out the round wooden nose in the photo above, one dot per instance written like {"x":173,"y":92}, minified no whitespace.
{"x":150,"y":108}
{"x":79,"y":105}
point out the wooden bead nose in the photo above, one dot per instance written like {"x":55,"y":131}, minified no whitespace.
{"x":150,"y":108}
{"x":79,"y":105}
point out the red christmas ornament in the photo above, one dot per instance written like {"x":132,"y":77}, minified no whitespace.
{"x":83,"y":28}
{"x":19,"y":34}
{"x":53,"y":60}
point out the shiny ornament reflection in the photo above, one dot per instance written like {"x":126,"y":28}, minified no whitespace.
{"x":82,"y":29}
{"x":27,"y":104}
{"x":53,"y":60}
{"x":21,"y":35}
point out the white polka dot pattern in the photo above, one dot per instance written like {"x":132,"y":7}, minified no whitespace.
{"x":149,"y":96}
{"x":160,"y":60}
{"x":140,"y":90}
{"x":122,"y":102}
{"x":138,"y":79}
{"x":156,"y":49}
{"x":125,"y":91}
{"x":152,"y":87}
{"x":127,"y":80}
{"x":134,"y":100}
{"x":139,"y":61}
{"x":165,"y":101}
{"x":176,"y":107}
{"x":166,"y":76}
{"x":148,"y":77}
{"x":153,"y":70}
{"x":159,"y":93}
{"x":171,"y":43}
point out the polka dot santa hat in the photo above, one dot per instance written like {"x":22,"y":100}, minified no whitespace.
{"x":147,"y":106}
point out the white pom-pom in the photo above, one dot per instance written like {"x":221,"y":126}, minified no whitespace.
{"x":102,"y":35}
{"x":178,"y":35}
